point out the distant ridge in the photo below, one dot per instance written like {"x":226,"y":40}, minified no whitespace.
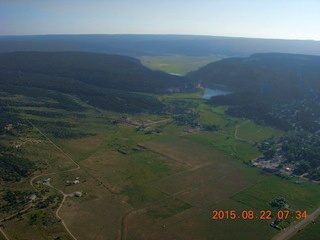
{"x":151,"y":45}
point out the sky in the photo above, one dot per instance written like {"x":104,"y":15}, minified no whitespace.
{"x":278,"y":19}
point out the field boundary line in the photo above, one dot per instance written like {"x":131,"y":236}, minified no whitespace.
{"x":77,"y":165}
{"x":165,"y":155}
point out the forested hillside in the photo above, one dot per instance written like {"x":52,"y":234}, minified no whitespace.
{"x":277,"y":89}
{"x":107,"y":81}
{"x":273,"y":74}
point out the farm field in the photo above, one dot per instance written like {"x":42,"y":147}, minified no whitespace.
{"x":250,"y":131}
{"x":177,"y":64}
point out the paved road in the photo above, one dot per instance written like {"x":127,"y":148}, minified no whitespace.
{"x":289,"y":232}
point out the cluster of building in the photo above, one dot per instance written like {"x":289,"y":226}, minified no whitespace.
{"x":46,"y":181}
{"x":75,"y":181}
{"x":274,"y":165}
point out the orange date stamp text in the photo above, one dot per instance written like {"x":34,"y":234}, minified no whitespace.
{"x":260,"y":215}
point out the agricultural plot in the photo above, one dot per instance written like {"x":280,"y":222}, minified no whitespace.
{"x":227,"y":144}
{"x":172,"y":146}
{"x":177,"y":64}
{"x":302,"y":197}
{"x":195,"y":223}
{"x":211,"y":177}
{"x":221,"y":189}
{"x":214,"y":191}
{"x":253,"y":132}
{"x":96,"y":215}
{"x":193,"y":178}
{"x":200,"y":225}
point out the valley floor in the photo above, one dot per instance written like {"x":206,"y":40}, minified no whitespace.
{"x":152,"y":176}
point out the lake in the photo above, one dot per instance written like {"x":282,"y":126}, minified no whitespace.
{"x":176,"y":74}
{"x":208,"y":93}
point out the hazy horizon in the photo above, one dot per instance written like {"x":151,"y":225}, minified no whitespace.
{"x":156,"y":34}
{"x":283,"y":19}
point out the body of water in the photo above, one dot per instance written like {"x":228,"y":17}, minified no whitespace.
{"x":176,"y":74}
{"x":208,"y":93}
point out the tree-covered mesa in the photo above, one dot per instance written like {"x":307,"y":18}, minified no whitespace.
{"x":297,"y":115}
{"x":253,"y":106}
{"x":90,"y":69}
{"x":116,"y":83}
{"x":281,"y":90}
{"x":277,"y":75}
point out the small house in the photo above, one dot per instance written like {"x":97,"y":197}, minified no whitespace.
{"x":32,"y":197}
{"x":47,"y":180}
{"x":78,"y":194}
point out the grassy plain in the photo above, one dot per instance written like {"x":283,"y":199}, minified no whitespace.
{"x":299,"y":197}
{"x":253,"y":132}
{"x":177,"y":64}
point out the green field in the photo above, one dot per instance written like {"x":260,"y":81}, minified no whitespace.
{"x":301,"y":197}
{"x":177,"y":64}
{"x":253,"y":132}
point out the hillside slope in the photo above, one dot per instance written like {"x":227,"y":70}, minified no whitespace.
{"x":111,"y":71}
{"x":282,"y":90}
{"x":270,"y":74}
{"x":107,"y":81}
